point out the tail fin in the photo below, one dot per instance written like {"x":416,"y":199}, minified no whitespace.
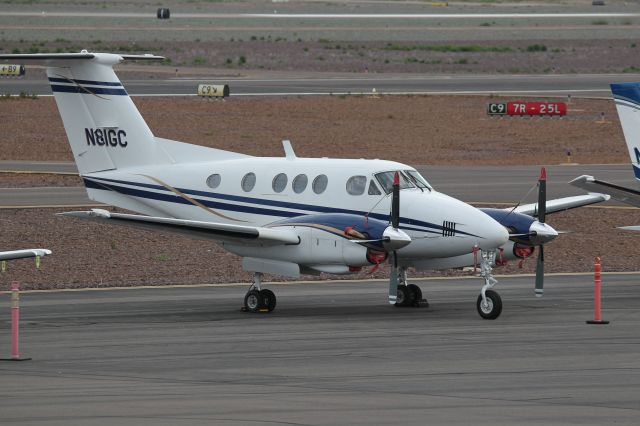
{"x":627,"y":99}
{"x":104,"y":127}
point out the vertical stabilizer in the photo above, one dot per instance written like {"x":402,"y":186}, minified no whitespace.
{"x":104,"y":127}
{"x":627,"y":99}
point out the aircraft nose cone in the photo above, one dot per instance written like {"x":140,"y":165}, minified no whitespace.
{"x":394,"y":239}
{"x":541,"y":233}
{"x":495,"y":236}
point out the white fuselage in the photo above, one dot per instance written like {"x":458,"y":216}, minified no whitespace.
{"x":439,"y":225}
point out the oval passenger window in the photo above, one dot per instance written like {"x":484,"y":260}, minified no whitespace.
{"x":248,"y":182}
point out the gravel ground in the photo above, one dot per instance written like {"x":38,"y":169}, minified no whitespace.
{"x":94,"y":255}
{"x":335,"y":54}
{"x":416,"y":130}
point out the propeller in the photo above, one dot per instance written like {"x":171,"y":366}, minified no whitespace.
{"x":395,"y":222}
{"x":542,"y":211}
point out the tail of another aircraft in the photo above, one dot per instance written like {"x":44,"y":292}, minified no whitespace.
{"x":627,"y":99}
{"x":103,"y":125}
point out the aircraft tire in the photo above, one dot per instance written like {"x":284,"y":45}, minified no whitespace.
{"x":268,"y":299}
{"x":494,"y":305}
{"x":252,"y":301}
{"x":416,"y":294}
{"x":405,"y":296}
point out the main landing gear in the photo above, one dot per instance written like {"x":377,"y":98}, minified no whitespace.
{"x":408,"y":294}
{"x":257,"y":299}
{"x":489,"y":303}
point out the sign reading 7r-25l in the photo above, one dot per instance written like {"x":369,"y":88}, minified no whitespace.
{"x":527,"y":108}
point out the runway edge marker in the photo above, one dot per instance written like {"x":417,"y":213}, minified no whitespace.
{"x":15,"y":324}
{"x":597,"y":293}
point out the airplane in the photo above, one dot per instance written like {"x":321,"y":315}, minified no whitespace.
{"x":627,"y":99}
{"x":283,"y":215}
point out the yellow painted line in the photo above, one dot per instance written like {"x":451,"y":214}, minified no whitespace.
{"x":33,"y":172}
{"x":295,"y":283}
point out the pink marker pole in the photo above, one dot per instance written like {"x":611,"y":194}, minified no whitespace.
{"x":15,"y":320}
{"x":15,"y":323}
{"x":597,"y":293}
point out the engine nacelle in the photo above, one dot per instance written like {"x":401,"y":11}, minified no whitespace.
{"x":521,"y":251}
{"x":319,"y":250}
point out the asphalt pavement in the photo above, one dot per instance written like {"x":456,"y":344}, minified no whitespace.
{"x":315,"y":83}
{"x":332,"y":353}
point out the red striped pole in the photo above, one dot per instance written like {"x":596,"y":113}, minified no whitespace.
{"x":15,"y":320}
{"x":597,"y":293}
{"x":15,"y":323}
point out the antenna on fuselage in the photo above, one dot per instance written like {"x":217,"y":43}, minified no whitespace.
{"x":288,"y":150}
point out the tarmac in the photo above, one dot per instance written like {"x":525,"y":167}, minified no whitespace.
{"x":332,"y":353}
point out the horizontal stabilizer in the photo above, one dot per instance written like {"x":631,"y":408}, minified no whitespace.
{"x":620,"y":193}
{"x":194,"y":228}
{"x":630,"y":228}
{"x":566,"y":203}
{"x":57,"y":59}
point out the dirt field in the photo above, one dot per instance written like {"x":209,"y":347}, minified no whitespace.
{"x":495,"y":56}
{"x":87,"y":254}
{"x":416,"y":130}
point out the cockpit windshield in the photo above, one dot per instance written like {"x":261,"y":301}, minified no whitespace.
{"x":385,"y":179}
{"x":418,"y":180}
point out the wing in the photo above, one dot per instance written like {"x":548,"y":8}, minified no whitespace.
{"x":204,"y":230}
{"x":562,"y":204}
{"x":21,"y":254}
{"x":620,"y":193}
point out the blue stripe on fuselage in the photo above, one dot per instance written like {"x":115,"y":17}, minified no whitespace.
{"x":56,"y":88}
{"x":99,"y":183}
{"x":89,"y":82}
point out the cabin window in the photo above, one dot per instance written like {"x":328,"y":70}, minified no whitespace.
{"x":385,"y":179}
{"x":300,"y":183}
{"x":213,"y":181}
{"x":279,"y":182}
{"x":356,"y":185}
{"x":248,"y":182}
{"x":373,"y":189}
{"x":320,"y":184}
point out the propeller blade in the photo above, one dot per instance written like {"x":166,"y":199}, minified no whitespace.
{"x":542,"y":195}
{"x":395,"y":202}
{"x":540,"y":272}
{"x":393,"y":280}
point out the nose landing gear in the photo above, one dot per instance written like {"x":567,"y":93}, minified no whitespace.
{"x":489,"y":302}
